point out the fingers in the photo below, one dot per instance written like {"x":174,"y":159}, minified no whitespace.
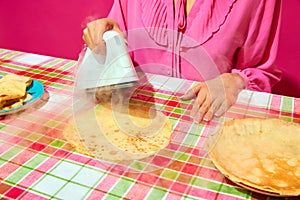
{"x":93,"y":33}
{"x":207,"y":104}
{"x":202,"y":102}
{"x":192,"y":93}
{"x":208,"y":109}
{"x":221,"y":110}
{"x":200,"y":110}
{"x":87,"y":39}
{"x":201,"y":105}
{"x":214,"y":97}
{"x":218,"y":108}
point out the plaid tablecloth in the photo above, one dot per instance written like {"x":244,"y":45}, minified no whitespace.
{"x":37,"y":163}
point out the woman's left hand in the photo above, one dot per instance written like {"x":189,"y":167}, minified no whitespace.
{"x":215,"y":97}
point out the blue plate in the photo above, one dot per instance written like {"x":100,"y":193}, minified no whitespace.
{"x":36,"y":90}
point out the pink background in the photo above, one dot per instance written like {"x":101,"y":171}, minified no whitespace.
{"x":49,"y":27}
{"x":288,"y":58}
{"x":54,"y":27}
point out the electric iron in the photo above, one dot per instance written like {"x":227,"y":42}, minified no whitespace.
{"x":113,"y":68}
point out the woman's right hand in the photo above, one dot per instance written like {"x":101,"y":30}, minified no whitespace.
{"x":93,"y":33}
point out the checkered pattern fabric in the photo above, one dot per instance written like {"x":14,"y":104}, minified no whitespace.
{"x":36,"y":163}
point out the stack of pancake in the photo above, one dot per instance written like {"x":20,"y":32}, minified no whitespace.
{"x":262,"y":155}
{"x":13,"y":91}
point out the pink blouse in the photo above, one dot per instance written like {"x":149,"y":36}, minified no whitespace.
{"x":217,"y":36}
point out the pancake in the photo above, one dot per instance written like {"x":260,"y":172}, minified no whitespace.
{"x":262,"y":154}
{"x":10,"y":89}
{"x":13,"y":91}
{"x":122,"y":134}
{"x":14,"y":77}
{"x":13,"y":103}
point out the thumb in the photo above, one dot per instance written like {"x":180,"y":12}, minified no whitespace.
{"x":190,"y":94}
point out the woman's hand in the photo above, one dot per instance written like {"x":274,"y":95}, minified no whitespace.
{"x":93,"y":33}
{"x":215,"y":97}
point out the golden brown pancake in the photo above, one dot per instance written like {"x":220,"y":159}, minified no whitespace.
{"x":261,"y":153}
{"x":119,"y":135}
{"x":14,"y":77}
{"x":10,"y":89}
{"x":13,"y":103}
{"x":13,"y":91}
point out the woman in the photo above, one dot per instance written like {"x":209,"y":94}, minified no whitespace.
{"x":239,"y":38}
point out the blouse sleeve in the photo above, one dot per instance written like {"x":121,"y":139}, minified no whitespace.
{"x":256,"y":58}
{"x":119,"y":12}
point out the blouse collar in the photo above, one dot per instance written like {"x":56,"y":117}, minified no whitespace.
{"x":203,"y":21}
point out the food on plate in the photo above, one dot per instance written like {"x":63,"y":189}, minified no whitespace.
{"x":13,"y":91}
{"x":10,"y":89}
{"x":121,"y":134}
{"x":261,"y":154}
{"x":14,"y":77}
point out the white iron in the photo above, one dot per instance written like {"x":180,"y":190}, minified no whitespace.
{"x":114,"y":68}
